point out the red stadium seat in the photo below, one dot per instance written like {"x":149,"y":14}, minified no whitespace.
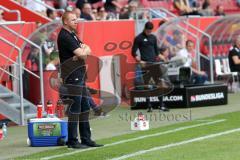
{"x":230,"y":6}
{"x":215,"y":51}
{"x":156,"y":4}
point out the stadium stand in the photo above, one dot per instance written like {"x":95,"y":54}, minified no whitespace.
{"x":26,"y":14}
{"x":230,"y":6}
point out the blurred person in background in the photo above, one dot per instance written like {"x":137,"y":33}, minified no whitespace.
{"x":86,"y":12}
{"x":164,"y":54}
{"x":94,"y":3}
{"x":52,"y":14}
{"x":220,"y":11}
{"x":113,"y":6}
{"x":94,"y":13}
{"x":206,"y":8}
{"x":238,"y":3}
{"x":77,"y":11}
{"x":79,"y":3}
{"x":129,"y":10}
{"x":124,"y":12}
{"x":37,"y":6}
{"x":234,"y":56}
{"x":175,"y":42}
{"x":61,"y":4}
{"x":52,"y":65}
{"x":186,"y":8}
{"x":188,"y":53}
{"x":102,"y":14}
{"x":182,"y":6}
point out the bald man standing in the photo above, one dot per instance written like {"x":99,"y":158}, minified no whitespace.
{"x":72,"y":53}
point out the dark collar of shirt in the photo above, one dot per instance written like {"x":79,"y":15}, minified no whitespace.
{"x":145,"y":35}
{"x":236,"y":48}
{"x":76,"y":37}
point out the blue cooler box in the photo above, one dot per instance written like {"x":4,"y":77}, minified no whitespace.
{"x":47,"y":132}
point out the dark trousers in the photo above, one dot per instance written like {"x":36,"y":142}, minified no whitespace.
{"x":199,"y":79}
{"x":155,"y":72}
{"x":151,"y":71}
{"x":78,"y":112}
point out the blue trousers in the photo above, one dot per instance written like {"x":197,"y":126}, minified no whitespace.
{"x":78,"y":113}
{"x":199,"y":79}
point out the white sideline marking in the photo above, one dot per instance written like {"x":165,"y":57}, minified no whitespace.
{"x":177,"y":144}
{"x":137,"y":138}
{"x":204,"y":120}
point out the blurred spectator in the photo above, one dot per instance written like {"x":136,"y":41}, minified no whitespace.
{"x":61,"y":4}
{"x":164,"y":54}
{"x":94,"y":13}
{"x":87,"y":12}
{"x":102,"y":14}
{"x":77,"y":11}
{"x":176,"y":42}
{"x":52,"y":14}
{"x":145,"y":15}
{"x":198,"y":76}
{"x":48,"y":47}
{"x":112,"y":6}
{"x":79,"y":3}
{"x":220,"y":11}
{"x":194,"y":5}
{"x":238,"y":3}
{"x":33,"y":59}
{"x":36,"y":6}
{"x":128,"y":13}
{"x":206,"y":8}
{"x":124,"y":12}
{"x":52,"y":65}
{"x":94,"y":3}
{"x":184,"y":8}
{"x":1,"y":15}
{"x":234,"y":56}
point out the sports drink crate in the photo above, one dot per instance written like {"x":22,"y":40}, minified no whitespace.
{"x":140,"y":123}
{"x":47,"y":132}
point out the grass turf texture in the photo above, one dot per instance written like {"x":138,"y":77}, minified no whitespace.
{"x":215,"y":148}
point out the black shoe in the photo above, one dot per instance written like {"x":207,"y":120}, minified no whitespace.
{"x":164,"y":109}
{"x":92,"y":144}
{"x":99,"y":112}
{"x":76,"y":145}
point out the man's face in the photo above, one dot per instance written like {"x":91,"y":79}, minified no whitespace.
{"x":71,"y":21}
{"x":54,"y":15}
{"x":238,"y":42}
{"x":87,"y":9}
{"x":77,"y":12}
{"x":148,"y":31}
{"x":190,"y":47}
{"x":220,"y":9}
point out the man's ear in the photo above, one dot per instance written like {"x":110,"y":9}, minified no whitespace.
{"x":64,"y":22}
